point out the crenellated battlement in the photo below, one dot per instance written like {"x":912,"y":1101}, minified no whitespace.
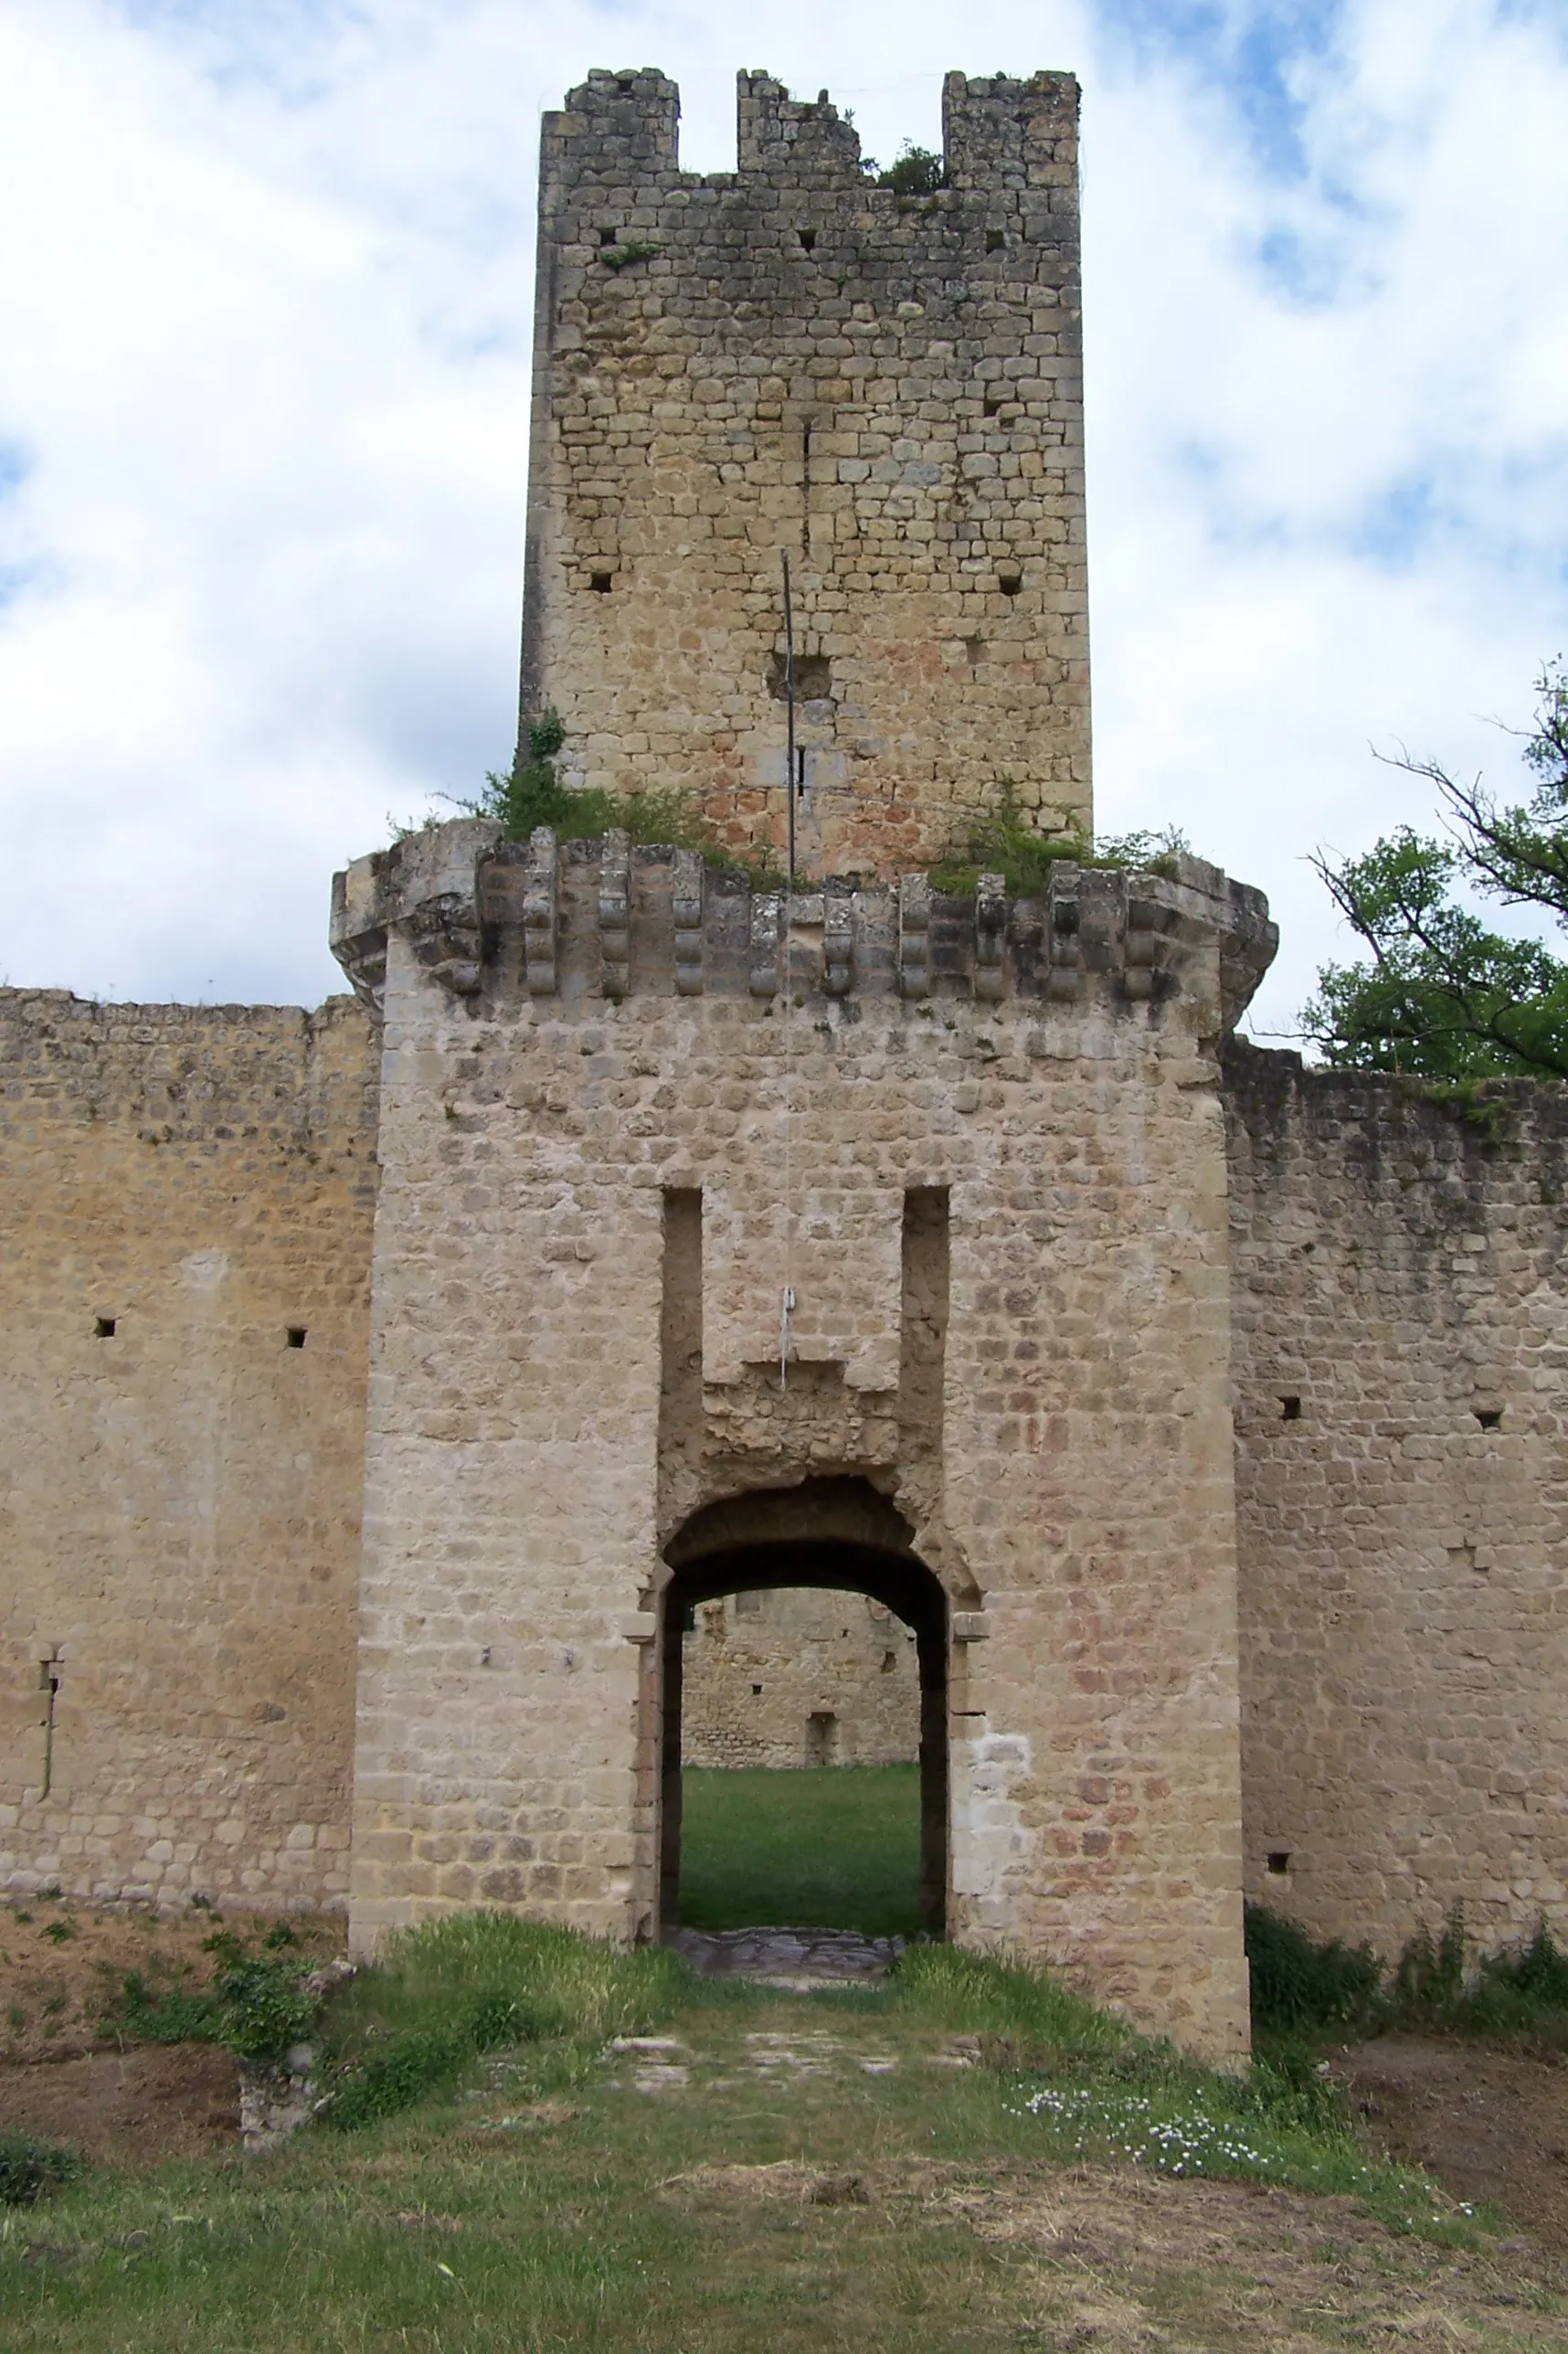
{"x":998,"y":133}
{"x":499,"y":924}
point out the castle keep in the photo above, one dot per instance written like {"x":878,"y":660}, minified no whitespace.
{"x":386,"y":1389}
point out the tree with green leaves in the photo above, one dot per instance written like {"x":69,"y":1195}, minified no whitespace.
{"x":1441,"y":996}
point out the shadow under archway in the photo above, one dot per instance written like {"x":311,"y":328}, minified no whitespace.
{"x":786,"y":1538}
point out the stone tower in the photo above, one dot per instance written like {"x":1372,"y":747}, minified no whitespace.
{"x":859,"y":1237}
{"x":789,"y":360}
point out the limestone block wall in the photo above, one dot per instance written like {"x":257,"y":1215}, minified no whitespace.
{"x":1400,"y":1361}
{"x":180,"y":1188}
{"x":797,"y":1677}
{"x":579,"y":1052}
{"x":788,"y":360}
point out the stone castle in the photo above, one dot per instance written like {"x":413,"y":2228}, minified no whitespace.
{"x":386,"y":1387}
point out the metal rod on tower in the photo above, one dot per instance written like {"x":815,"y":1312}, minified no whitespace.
{"x":789,"y":725}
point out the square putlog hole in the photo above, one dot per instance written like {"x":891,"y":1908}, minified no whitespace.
{"x":1010,"y":583}
{"x":104,"y":1327}
{"x":1290,"y":1409}
{"x":599,"y":582}
{"x":1489,"y":1416}
{"x":296,"y":1336}
{"x":1278,"y":1861}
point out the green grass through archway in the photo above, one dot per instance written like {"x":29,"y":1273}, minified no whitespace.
{"x":833,"y":1847}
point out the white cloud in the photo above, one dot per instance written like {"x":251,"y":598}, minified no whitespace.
{"x":266,"y":369}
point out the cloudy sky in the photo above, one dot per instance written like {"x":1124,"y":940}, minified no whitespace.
{"x":265,"y":288}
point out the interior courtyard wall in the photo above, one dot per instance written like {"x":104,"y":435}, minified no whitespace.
{"x":1401,"y":1355}
{"x":179,"y":1495}
{"x":788,"y":360}
{"x":796,"y":1677}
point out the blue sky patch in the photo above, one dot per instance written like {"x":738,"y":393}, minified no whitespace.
{"x":1246,"y":51}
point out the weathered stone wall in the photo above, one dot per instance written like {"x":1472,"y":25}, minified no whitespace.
{"x":179,"y":1496}
{"x":788,"y":359}
{"x":1400,"y":1366}
{"x":796,"y":1677}
{"x":575,"y":1050}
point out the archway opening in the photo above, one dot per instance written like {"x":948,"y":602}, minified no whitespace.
{"x":783,"y":1592}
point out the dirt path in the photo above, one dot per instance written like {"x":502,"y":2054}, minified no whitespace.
{"x":1490,"y":2123}
{"x":130,"y":2108}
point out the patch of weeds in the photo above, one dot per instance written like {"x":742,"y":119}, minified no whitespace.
{"x":917,"y":171}
{"x":1300,"y":1988}
{"x":263,"y":2004}
{"x":621,"y":257}
{"x":57,"y":1932}
{"x":256,"y":2007}
{"x":439,"y":1996}
{"x":532,"y":794}
{"x":1297,"y":1986}
{"x":1475,"y":1103}
{"x":1025,"y":2017}
{"x":30,"y":2169}
{"x":157,"y":2005}
{"x":1004,"y":841}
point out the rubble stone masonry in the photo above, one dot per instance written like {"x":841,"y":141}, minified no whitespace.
{"x":1401,"y":1352}
{"x":182,"y":1187}
{"x":789,"y":360}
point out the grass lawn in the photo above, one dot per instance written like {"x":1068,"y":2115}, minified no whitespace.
{"x":759,"y":2174}
{"x":833,"y":1847}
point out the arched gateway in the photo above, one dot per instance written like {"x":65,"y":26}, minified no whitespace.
{"x":839,"y":1533}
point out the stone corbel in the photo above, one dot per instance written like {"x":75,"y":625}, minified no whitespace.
{"x":837,"y":943}
{"x":444,"y":934}
{"x":1064,"y":978}
{"x":425,"y":885}
{"x":541,"y":910}
{"x":687,"y":910}
{"x":767,"y":918}
{"x":913,"y":931}
{"x":615,"y":912}
{"x":991,"y":934}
